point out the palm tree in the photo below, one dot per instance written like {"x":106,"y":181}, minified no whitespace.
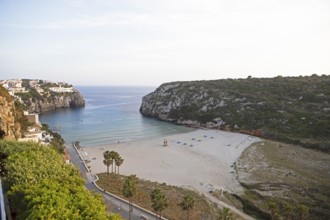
{"x":225,"y":214}
{"x":129,"y":190}
{"x":187,"y":204}
{"x":113,"y":155}
{"x":118,"y":161}
{"x":107,"y":160}
{"x":108,"y":163}
{"x":159,"y":201}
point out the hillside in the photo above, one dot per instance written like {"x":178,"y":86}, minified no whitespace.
{"x":11,"y":117}
{"x":284,"y":174}
{"x":290,"y":109}
{"x":40,"y":95}
{"x":36,"y":96}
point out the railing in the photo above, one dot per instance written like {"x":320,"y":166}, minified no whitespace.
{"x":2,"y":203}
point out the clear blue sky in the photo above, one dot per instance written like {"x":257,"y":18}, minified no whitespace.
{"x":148,"y":42}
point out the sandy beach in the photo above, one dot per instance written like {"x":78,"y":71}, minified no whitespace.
{"x":200,"y":160}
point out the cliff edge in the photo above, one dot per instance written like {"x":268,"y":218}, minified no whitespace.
{"x":41,"y":96}
{"x":55,"y":101}
{"x":9,"y":127}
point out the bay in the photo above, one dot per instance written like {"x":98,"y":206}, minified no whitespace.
{"x":111,"y":115}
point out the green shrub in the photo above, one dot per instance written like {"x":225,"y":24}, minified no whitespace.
{"x":41,"y":186}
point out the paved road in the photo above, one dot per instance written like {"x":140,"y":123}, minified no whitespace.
{"x":113,"y":204}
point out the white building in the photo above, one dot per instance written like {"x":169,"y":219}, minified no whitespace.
{"x":61,"y":89}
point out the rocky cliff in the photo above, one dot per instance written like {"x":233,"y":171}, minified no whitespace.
{"x":293,"y":109}
{"x":9,"y":126}
{"x":55,"y":101}
{"x":36,"y":96}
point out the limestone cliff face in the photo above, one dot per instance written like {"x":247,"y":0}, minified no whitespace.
{"x":159,"y":103}
{"x":56,"y":101}
{"x":171,"y":98}
{"x":9,"y":128}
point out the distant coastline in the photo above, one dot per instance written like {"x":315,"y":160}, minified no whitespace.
{"x":40,"y":96}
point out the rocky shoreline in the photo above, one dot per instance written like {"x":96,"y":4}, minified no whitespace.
{"x":57,"y":101}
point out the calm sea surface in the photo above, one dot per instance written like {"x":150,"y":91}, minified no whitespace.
{"x":111,"y":114}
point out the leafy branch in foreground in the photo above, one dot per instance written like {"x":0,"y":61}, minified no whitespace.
{"x":41,"y":186}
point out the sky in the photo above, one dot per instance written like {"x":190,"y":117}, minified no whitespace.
{"x":150,"y":42}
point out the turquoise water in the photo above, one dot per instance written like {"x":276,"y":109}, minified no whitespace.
{"x":111,"y":115}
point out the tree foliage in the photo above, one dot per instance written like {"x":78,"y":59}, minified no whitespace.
{"x":159,"y":201}
{"x":112,"y":158}
{"x":187,"y":204}
{"x":57,"y":142}
{"x":118,"y":162}
{"x":108,"y":161}
{"x":129,"y":190}
{"x":41,"y":186}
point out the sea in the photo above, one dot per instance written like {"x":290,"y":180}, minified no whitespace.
{"x":111,"y":115}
